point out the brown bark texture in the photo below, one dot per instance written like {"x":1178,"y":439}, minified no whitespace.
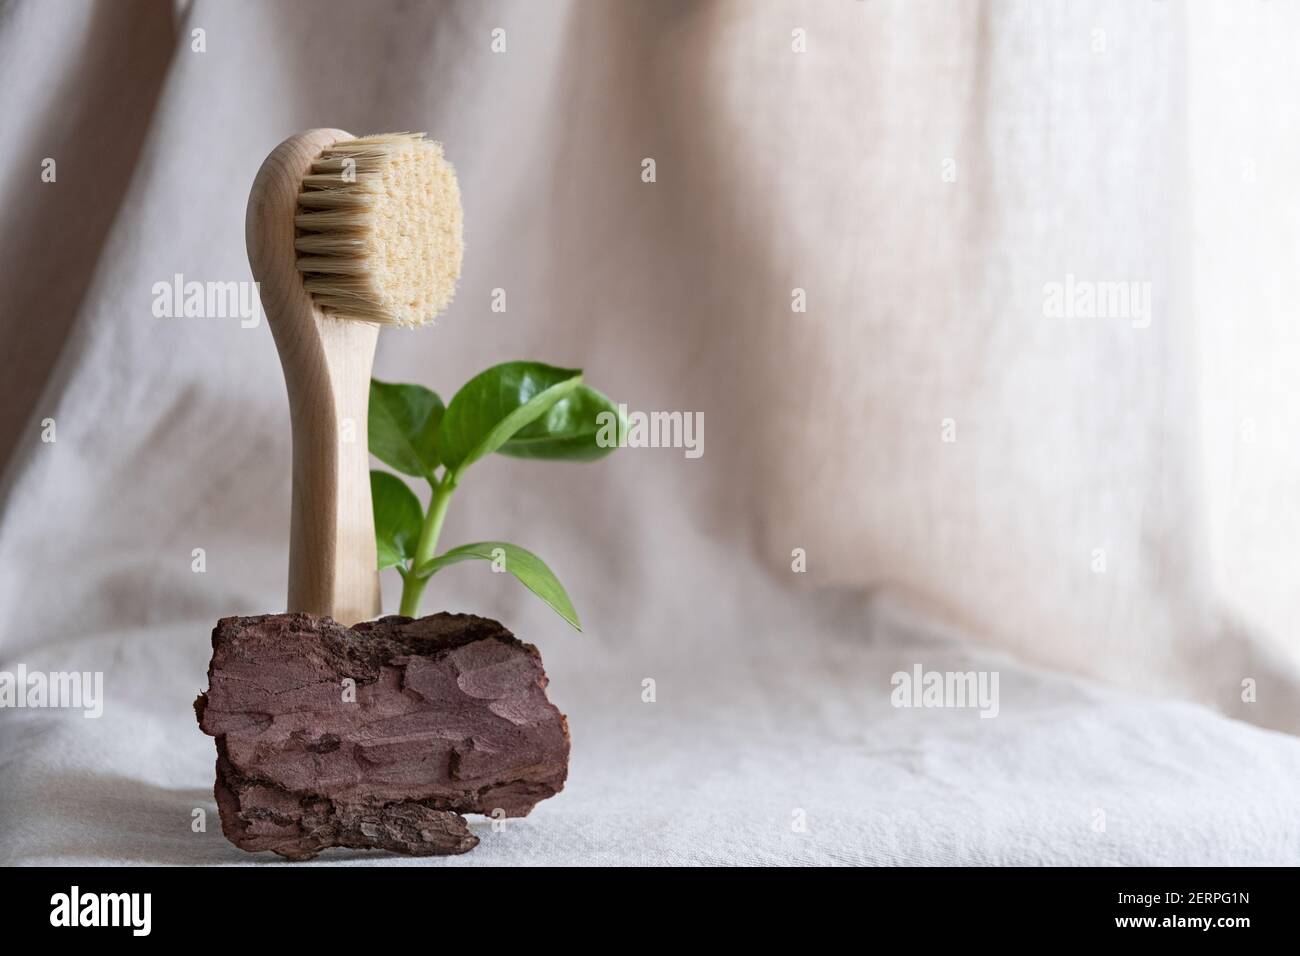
{"x":377,"y":736}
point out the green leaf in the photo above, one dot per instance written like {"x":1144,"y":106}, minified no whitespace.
{"x":403,"y":425}
{"x":526,"y":566}
{"x":583,"y":426}
{"x":398,"y":518}
{"x":494,"y":405}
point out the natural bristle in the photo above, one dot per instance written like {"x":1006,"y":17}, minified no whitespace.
{"x":379,"y":229}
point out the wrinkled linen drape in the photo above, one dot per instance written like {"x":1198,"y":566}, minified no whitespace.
{"x":878,"y":255}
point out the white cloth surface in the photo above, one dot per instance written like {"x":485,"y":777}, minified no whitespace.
{"x":823,"y":173}
{"x":720,"y":766}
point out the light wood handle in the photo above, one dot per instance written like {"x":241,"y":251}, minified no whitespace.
{"x":327,"y":363}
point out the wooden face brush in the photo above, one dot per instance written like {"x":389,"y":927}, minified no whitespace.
{"x":345,"y":235}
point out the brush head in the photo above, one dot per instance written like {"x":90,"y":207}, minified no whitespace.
{"x":379,"y":229}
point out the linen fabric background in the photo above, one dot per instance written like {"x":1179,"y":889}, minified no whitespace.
{"x":1102,"y":509}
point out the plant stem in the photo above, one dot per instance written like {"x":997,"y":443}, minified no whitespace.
{"x":413,"y":585}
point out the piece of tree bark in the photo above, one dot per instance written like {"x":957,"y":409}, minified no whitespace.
{"x":376,"y":736}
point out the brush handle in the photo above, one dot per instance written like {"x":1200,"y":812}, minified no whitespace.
{"x":327,"y":362}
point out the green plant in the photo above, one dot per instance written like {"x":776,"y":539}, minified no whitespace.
{"x":522,"y":409}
